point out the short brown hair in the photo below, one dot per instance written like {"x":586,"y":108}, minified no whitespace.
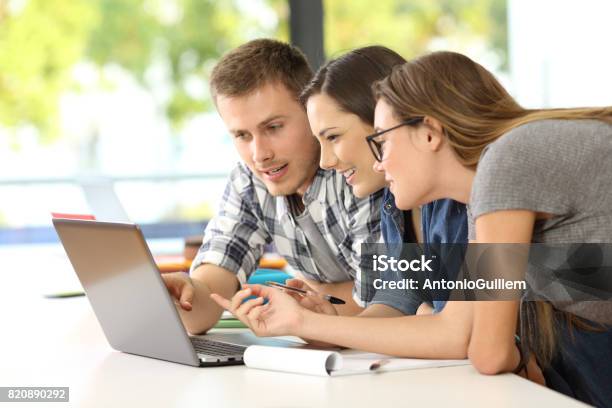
{"x":257,"y":63}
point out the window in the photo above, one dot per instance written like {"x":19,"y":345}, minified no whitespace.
{"x":116,"y":90}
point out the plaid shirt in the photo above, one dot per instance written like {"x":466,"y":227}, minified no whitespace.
{"x":249,"y":218}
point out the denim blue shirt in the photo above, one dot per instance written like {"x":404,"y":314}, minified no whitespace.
{"x":442,"y":222}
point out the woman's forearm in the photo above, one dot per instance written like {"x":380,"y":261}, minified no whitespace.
{"x":443,"y":335}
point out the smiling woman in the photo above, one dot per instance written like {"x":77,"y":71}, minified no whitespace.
{"x":340,"y":109}
{"x":340,"y":134}
{"x":529,"y":175}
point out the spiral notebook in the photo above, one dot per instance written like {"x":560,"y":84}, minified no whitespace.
{"x":330,"y":363}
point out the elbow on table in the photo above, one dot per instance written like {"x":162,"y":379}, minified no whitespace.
{"x":489,"y":360}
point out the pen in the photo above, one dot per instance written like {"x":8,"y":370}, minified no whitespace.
{"x":63,"y":295}
{"x":377,"y":364}
{"x":331,"y":299}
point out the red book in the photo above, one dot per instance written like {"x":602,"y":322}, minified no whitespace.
{"x":88,"y":217}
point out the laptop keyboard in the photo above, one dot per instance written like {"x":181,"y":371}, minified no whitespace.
{"x":216,"y":348}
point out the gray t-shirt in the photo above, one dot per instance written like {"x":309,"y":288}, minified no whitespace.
{"x":558,"y":167}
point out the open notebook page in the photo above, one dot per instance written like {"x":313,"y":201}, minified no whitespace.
{"x":333,"y":363}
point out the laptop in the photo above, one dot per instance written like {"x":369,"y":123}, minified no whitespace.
{"x":131,"y":302}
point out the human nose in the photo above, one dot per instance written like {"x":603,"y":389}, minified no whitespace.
{"x":378,"y":166}
{"x":261,"y":151}
{"x":328,"y":159}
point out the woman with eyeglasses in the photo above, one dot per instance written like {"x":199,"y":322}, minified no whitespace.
{"x":448,"y":129}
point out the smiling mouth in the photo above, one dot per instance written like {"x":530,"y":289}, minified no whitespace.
{"x":348,"y":173}
{"x":275,"y":170}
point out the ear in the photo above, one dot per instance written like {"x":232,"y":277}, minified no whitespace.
{"x":434,"y":133}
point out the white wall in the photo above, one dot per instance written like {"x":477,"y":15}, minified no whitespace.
{"x":561,"y":52}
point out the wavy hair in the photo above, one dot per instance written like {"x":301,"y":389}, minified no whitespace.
{"x":474,"y":110}
{"x":472,"y":106}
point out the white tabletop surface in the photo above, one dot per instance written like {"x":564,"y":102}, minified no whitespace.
{"x":58,"y":342}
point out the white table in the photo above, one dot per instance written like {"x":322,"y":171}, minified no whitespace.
{"x":58,"y":342}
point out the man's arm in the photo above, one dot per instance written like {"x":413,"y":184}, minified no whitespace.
{"x":232,"y":245}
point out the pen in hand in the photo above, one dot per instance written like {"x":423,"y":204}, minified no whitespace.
{"x":331,"y":299}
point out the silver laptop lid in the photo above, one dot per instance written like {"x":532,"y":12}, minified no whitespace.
{"x":125,"y":289}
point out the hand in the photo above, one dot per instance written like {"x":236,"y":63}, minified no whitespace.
{"x":312,"y":301}
{"x":181,"y":289}
{"x":281,"y":316}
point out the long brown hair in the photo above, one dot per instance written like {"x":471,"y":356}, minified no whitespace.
{"x":348,"y":79}
{"x":472,"y":106}
{"x":474,"y":110}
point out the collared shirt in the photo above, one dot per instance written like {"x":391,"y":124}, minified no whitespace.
{"x":442,"y":222}
{"x":250,"y":217}
{"x":396,"y":225}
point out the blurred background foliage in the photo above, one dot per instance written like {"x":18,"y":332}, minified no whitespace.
{"x":41,"y":42}
{"x":412,"y":27}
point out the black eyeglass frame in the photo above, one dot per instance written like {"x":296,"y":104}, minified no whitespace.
{"x":376,"y":147}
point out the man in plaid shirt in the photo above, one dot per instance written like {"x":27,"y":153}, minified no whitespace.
{"x":278,"y":194}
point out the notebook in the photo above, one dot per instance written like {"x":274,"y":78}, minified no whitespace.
{"x":331,"y":363}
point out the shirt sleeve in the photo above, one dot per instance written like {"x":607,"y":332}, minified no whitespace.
{"x":234,"y":239}
{"x":406,"y":301}
{"x":515,"y":173}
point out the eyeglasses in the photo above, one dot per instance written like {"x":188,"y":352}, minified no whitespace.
{"x":377,"y":146}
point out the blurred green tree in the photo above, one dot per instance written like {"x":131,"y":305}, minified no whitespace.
{"x":411,"y":27}
{"x":39,"y":43}
{"x":42,"y":40}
